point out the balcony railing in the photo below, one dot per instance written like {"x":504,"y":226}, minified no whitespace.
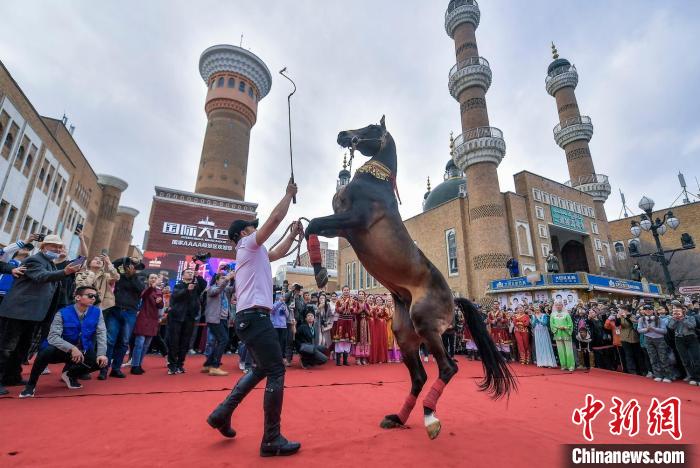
{"x":589,"y":179}
{"x":469,"y":62}
{"x":478,"y":132}
{"x":582,"y":119}
{"x":458,"y":3}
{"x":558,"y":71}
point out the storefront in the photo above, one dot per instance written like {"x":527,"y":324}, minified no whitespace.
{"x":569,"y":288}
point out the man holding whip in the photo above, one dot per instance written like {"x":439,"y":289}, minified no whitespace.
{"x":254,"y":327}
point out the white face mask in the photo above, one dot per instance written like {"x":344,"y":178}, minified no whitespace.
{"x":51,"y":255}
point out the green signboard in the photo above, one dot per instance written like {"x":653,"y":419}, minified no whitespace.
{"x":567,"y":219}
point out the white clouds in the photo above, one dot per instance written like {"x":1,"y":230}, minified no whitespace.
{"x":126,"y":74}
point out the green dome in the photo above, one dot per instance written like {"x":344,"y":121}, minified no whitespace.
{"x":446,"y":191}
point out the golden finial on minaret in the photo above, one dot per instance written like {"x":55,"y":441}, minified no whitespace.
{"x":429,"y":184}
{"x":345,"y":161}
{"x":452,"y":145}
{"x":555,"y":54}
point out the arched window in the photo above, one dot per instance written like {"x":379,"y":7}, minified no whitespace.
{"x":231,"y":83}
{"x":250,"y":91}
{"x":619,"y":247}
{"x":211,"y":86}
{"x":451,"y":244}
{"x":220,"y":83}
{"x":20,"y":157}
{"x":241,"y":86}
{"x":8,"y":140}
{"x":225,"y":162}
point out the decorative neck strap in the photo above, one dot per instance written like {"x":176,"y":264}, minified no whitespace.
{"x":381,"y":172}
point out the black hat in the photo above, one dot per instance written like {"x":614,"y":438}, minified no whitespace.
{"x":234,"y":232}
{"x":648,"y":307}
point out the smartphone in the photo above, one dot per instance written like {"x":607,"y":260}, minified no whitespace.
{"x":78,"y":261}
{"x":40,"y":237}
{"x":78,"y":228}
{"x":104,"y":252}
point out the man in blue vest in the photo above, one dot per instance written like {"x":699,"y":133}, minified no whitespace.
{"x":78,"y":337}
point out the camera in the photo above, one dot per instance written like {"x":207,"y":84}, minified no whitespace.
{"x":201,"y":257}
{"x":41,"y":237}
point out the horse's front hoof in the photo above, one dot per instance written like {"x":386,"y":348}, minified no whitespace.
{"x":432,"y":426}
{"x":322,"y":278}
{"x":391,"y":421}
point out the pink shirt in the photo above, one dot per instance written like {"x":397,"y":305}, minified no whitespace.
{"x":253,"y":274}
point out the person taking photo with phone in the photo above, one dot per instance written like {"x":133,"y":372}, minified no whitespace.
{"x":254,"y":327}
{"x":26,"y":306}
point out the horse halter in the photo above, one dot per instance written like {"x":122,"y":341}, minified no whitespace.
{"x":354,"y":141}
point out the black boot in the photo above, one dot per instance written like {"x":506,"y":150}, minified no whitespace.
{"x":220,"y":418}
{"x":274,"y":443}
{"x":337,"y":359}
{"x":345,"y":359}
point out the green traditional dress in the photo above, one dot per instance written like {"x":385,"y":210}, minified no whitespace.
{"x":562,"y":337}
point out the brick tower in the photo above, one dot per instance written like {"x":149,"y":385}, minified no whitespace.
{"x":573,"y":133}
{"x":478,"y":150}
{"x":237,"y":80}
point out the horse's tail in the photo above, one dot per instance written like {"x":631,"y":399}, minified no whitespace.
{"x":498,"y":379}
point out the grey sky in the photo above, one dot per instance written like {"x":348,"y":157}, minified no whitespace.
{"x":126,"y":75}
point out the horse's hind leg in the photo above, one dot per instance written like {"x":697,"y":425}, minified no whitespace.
{"x":409,"y":343}
{"x":430,"y":333}
{"x":411,"y":359}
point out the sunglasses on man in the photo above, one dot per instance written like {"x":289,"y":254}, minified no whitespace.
{"x":90,"y":296}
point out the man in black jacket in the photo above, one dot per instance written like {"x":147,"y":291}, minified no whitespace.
{"x":184,"y":309}
{"x":306,"y":343}
{"x":26,"y":305}
{"x":121,"y":318}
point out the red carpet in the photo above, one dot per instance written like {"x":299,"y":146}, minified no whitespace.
{"x":159,"y":420}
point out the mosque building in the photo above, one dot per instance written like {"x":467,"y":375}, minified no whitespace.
{"x":470,"y":229}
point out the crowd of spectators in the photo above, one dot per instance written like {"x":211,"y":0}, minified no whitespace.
{"x":90,"y":314}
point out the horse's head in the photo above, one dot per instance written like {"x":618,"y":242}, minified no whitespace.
{"x":368,"y":140}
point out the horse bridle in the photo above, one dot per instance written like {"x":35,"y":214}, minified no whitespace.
{"x":354,"y":141}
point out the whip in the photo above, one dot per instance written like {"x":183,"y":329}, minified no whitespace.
{"x":289,"y":114}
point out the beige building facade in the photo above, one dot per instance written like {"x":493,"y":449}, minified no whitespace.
{"x":47,"y":184}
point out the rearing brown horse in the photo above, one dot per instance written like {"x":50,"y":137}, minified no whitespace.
{"x":367,"y":215}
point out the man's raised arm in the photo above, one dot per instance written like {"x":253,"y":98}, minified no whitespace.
{"x":277,"y":215}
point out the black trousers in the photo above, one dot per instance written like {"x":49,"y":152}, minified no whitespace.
{"x":317,"y":358}
{"x":449,"y":340}
{"x":255,"y":330}
{"x":179,"y":335}
{"x":53,"y":355}
{"x":634,"y":358}
{"x":15,"y":340}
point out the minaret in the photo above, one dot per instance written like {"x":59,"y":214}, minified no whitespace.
{"x":478,"y":150}
{"x":573,"y":133}
{"x":427,"y":192}
{"x":237,"y":80}
{"x":343,"y":175}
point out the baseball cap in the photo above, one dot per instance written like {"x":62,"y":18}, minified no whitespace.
{"x":234,"y":232}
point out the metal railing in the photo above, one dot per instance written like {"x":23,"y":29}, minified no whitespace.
{"x":478,"y":132}
{"x":582,"y":119}
{"x":454,"y":4}
{"x":469,"y":62}
{"x":557,"y":71}
{"x":588,"y":179}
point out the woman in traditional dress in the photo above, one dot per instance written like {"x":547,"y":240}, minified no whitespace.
{"x":498,"y":325}
{"x":343,"y":332}
{"x":379,"y":348}
{"x":544,"y":354}
{"x":325,"y":311}
{"x":394,"y":353}
{"x":521,"y":322}
{"x":362,"y":329}
{"x":562,"y":326}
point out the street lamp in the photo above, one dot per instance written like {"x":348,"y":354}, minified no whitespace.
{"x":658,"y":227}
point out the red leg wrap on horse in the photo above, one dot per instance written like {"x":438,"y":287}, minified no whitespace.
{"x":434,"y":394}
{"x":407,"y":408}
{"x":314,"y":247}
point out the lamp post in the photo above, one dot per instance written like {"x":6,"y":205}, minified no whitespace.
{"x":658,"y":228}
